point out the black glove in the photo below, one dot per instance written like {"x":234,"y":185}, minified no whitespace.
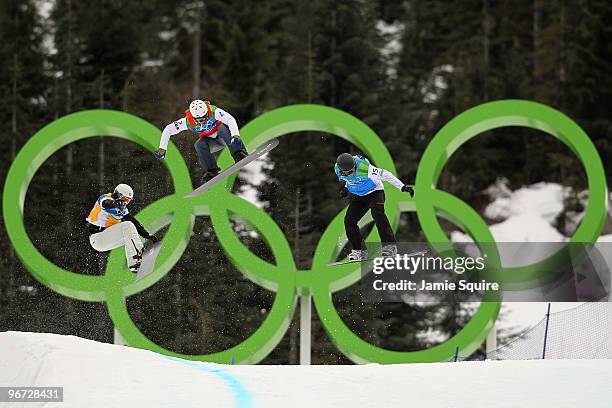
{"x":152,"y":238}
{"x":408,"y":189}
{"x":342,"y":189}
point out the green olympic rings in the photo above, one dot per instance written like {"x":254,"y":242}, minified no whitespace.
{"x":220,"y":204}
{"x":494,"y":115}
{"x":39,"y":148}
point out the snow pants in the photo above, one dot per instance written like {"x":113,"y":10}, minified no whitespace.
{"x":359,"y":206}
{"x":206,"y":146}
{"x":121,"y":234}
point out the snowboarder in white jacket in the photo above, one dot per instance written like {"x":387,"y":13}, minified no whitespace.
{"x":215,"y":129}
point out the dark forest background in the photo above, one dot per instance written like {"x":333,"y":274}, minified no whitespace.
{"x":403,"y":67}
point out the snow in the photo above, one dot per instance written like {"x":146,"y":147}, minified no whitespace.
{"x":254,"y":175}
{"x":526,"y":227}
{"x":527,"y":214}
{"x":392,"y":32}
{"x":544,"y":200}
{"x":104,"y":375}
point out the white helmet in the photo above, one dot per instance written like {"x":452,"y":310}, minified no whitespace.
{"x":124,"y":190}
{"x":198,"y":109}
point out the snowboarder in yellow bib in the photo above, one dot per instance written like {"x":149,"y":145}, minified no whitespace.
{"x":110,"y":225}
{"x":215,"y":129}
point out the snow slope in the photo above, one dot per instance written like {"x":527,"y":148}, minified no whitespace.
{"x":104,"y":375}
{"x":526,"y":214}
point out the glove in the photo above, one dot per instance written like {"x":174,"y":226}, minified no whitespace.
{"x":153,"y":238}
{"x":159,"y":154}
{"x":236,"y":139}
{"x":408,"y":189}
{"x":342,"y":189}
{"x":120,"y":203}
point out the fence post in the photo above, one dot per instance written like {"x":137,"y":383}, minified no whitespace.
{"x":491,"y":342}
{"x":546,"y":333}
{"x":457,"y":354}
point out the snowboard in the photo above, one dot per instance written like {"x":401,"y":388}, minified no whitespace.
{"x":261,"y":150}
{"x":148,"y":260}
{"x":371,"y":259}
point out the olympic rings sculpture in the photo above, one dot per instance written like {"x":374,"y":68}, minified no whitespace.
{"x":282,"y":276}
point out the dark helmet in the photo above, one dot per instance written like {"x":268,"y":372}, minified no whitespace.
{"x":346,"y":163}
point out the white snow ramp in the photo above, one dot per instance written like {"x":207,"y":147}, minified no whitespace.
{"x":104,"y":375}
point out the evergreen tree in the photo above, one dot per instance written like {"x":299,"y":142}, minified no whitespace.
{"x":23,"y":90}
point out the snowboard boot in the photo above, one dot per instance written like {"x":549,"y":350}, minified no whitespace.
{"x":389,"y":250}
{"x":357,"y":255}
{"x":239,"y":155}
{"x":135,"y":267}
{"x":210,"y":174}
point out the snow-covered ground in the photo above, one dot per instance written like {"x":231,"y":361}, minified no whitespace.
{"x":527,"y":214}
{"x":104,"y":375}
{"x":523,"y":215}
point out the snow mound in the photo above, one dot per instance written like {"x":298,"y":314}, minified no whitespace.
{"x":526,"y":215}
{"x":544,"y":200}
{"x":104,"y":375}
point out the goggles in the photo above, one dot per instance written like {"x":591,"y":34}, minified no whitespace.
{"x":124,"y":199}
{"x":201,"y":120}
{"x":347,"y":172}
